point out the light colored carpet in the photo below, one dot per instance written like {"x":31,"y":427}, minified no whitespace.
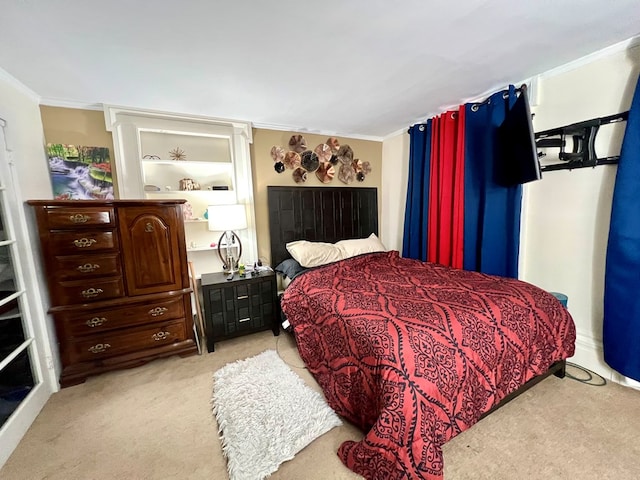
{"x":155,"y":423}
{"x":266,"y":414}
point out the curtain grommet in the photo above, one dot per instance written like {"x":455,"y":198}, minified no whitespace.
{"x":474,"y":107}
{"x":421,"y":128}
{"x":505,"y":95}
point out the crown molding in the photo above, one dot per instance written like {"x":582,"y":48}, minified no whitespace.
{"x":239,"y":125}
{"x":57,"y":102}
{"x":18,"y":85}
{"x":402,"y":131}
{"x":111,"y":113}
{"x":592,"y":57}
{"x":289,"y":128}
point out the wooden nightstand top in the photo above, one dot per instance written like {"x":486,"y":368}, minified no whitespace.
{"x":221,"y":278}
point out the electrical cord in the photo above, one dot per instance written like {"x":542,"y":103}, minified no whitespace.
{"x":301,"y":367}
{"x":589,"y":380}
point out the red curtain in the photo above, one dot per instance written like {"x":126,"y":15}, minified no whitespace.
{"x":446,"y":190}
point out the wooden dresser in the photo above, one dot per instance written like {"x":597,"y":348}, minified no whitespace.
{"x":118,"y":282}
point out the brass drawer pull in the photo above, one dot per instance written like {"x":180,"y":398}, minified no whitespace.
{"x":99,"y":348}
{"x":158,"y":311}
{"x":79,"y":218}
{"x":244,"y":319}
{"x":95,"y":322}
{"x":84,"y":242}
{"x":160,"y":336}
{"x":87,"y":267}
{"x":242,"y":297}
{"x":92,"y":292}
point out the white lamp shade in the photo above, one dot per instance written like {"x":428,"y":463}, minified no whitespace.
{"x":224,"y":218}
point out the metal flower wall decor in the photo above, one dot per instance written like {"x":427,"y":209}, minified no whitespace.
{"x":323,"y":160}
{"x":177,"y":154}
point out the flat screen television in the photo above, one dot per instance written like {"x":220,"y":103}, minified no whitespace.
{"x":517,"y":154}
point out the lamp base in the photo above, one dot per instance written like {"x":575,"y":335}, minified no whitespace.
{"x":229,"y":262}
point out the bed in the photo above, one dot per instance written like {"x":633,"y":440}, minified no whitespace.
{"x":412,"y":353}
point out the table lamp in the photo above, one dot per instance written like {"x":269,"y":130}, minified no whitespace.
{"x":226,"y":219}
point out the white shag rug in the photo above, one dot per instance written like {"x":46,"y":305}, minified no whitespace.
{"x":266,"y":414}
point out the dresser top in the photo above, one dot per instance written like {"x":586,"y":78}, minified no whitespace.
{"x":100,"y":203}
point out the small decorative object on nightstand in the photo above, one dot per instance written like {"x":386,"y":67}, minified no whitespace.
{"x":238,"y":306}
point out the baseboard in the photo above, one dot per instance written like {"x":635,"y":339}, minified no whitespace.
{"x":626,"y":381}
{"x":590,"y":355}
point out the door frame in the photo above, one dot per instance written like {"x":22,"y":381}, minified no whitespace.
{"x":35,"y":323}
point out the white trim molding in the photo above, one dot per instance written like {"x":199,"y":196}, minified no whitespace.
{"x":14,"y":82}
{"x":592,"y":57}
{"x":112,"y":112}
{"x":289,"y":128}
{"x":56,"y":102}
{"x":590,"y":355}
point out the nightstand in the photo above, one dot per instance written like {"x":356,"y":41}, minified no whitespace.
{"x":239,"y":306}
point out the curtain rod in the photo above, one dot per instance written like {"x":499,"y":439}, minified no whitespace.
{"x":476,"y":105}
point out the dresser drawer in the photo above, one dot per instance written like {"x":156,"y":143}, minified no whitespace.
{"x":81,"y":242}
{"x":84,"y":291}
{"x":118,"y":342}
{"x":99,"y":320}
{"x":66,"y":217}
{"x":70,"y":267}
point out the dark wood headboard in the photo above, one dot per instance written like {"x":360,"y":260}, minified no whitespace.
{"x":319,"y":214}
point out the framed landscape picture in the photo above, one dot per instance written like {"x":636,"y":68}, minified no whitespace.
{"x":79,"y":172}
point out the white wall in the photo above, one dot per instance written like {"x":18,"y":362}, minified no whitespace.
{"x":567,"y":213}
{"x":395,"y":174}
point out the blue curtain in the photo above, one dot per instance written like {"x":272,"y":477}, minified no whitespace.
{"x":621,"y":332}
{"x":414,"y":240}
{"x":491,"y":211}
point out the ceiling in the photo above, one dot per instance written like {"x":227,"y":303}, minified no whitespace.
{"x":362,"y":68}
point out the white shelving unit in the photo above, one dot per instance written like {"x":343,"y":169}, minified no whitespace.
{"x":215,"y":155}
{"x":200,"y":249}
{"x":163,"y":174}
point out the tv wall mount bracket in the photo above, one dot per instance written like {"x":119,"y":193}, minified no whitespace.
{"x":583,"y":137}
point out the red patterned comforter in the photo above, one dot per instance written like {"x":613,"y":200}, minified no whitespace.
{"x":414,"y":353}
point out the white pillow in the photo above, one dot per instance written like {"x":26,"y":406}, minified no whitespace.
{"x":285,"y":282}
{"x":351,"y":248}
{"x":314,"y":254}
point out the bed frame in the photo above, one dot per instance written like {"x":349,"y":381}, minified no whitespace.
{"x":329,"y":214}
